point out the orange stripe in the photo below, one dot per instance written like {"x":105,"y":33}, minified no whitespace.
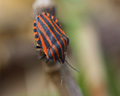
{"x":56,"y":31}
{"x":63,"y":42}
{"x":48,"y":14}
{"x":35,"y":33}
{"x":34,"y":27}
{"x":66,"y":42}
{"x":65,"y":38}
{"x":59,"y":28}
{"x":43,"y":13}
{"x":56,"y":50}
{"x":43,"y":31}
{"x":37,"y":39}
{"x":61,"y":32}
{"x":53,"y":36}
{"x":43,"y":45}
{"x":56,"y":20}
{"x":34,"y":21}
{"x":52,"y":17}
{"x":52,"y":54}
{"x":51,"y":24}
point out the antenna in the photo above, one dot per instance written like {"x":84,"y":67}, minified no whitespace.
{"x":72,"y":66}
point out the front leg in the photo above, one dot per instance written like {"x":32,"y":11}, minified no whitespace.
{"x":41,"y":56}
{"x":46,"y":60}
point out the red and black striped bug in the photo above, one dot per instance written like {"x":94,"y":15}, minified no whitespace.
{"x":50,"y":37}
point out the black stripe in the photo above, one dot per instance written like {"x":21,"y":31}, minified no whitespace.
{"x":51,"y":37}
{"x":63,"y":58}
{"x":58,"y":29}
{"x":67,"y":39}
{"x":66,"y":42}
{"x":61,"y":33}
{"x":35,"y":30}
{"x":34,"y":24}
{"x":59,"y":50}
{"x":55,"y":54}
{"x":45,"y":13}
{"x":50,"y":16}
{"x":58,"y":24}
{"x":39,"y":42}
{"x":45,"y":40}
{"x":62,"y":44}
{"x":56,"y":34}
{"x":47,"y":31}
{"x":50,"y":26}
{"x":36,"y":36}
{"x":54,"y":20}
{"x":49,"y":54}
{"x":53,"y":23}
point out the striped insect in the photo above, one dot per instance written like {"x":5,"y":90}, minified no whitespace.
{"x":50,"y":38}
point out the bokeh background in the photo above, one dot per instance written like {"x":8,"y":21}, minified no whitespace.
{"x":93,"y":27}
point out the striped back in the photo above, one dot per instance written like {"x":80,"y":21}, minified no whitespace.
{"x":50,"y":37}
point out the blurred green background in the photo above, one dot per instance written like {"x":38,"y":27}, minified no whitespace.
{"x":93,"y":27}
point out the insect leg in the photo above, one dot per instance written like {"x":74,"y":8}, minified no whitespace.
{"x":47,"y":60}
{"x":41,"y":56}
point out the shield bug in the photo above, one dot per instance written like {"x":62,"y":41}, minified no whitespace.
{"x":50,"y":38}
